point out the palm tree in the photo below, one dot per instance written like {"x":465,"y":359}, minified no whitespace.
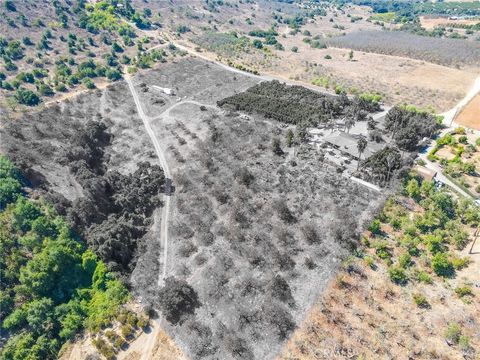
{"x":349,"y":122}
{"x":361,"y":146}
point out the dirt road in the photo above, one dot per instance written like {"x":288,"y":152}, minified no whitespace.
{"x":168,"y":182}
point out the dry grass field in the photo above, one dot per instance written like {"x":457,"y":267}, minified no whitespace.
{"x":470,"y":115}
{"x":399,"y":79}
{"x":430,"y":23}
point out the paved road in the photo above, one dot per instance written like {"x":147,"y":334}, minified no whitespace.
{"x":168,"y":181}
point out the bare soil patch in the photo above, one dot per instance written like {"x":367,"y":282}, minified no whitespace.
{"x":430,"y":23}
{"x":470,"y":115}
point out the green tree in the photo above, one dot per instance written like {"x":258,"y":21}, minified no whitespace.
{"x":413,"y":189}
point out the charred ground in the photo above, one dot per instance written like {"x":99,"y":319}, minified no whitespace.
{"x":70,"y":155}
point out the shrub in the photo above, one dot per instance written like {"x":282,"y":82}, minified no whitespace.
{"x":126,"y":331}
{"x":257,"y":43}
{"x":10,"y":5}
{"x":405,"y":260}
{"x":45,"y":90}
{"x":61,"y":87}
{"x":111,"y":335}
{"x":375,"y":227}
{"x":339,"y":90}
{"x":464,"y":343}
{"x":328,"y":57}
{"x":397,"y":275}
{"x":118,"y":342}
{"x":294,"y":49}
{"x":442,"y":266}
{"x":460,"y":263}
{"x":464,"y":291}
{"x":382,"y":250}
{"x":104,"y":349}
{"x":424,"y":277}
{"x":89,"y":83}
{"x":142,"y":322}
{"x":453,"y":333}
{"x":113,"y":74}
{"x":420,"y":300}
{"x":26,"y":97}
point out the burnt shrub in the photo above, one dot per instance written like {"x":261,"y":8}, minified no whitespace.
{"x":278,"y":318}
{"x":243,"y":176}
{"x":310,"y":234}
{"x":283,"y":211}
{"x":237,"y":346}
{"x":177,"y":300}
{"x":279,"y":289}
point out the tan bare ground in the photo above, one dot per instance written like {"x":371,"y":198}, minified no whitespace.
{"x":155,"y":345}
{"x":367,"y":316}
{"x":152,"y":345}
{"x":431,"y":23}
{"x":470,"y":114}
{"x":400,"y":79}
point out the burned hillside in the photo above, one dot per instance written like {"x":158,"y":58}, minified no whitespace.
{"x":70,"y":155}
{"x":255,"y":234}
{"x":258,"y":223}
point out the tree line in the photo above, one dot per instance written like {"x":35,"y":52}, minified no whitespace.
{"x":52,"y":286}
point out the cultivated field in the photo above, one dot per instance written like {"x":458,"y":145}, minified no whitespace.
{"x":448,"y":52}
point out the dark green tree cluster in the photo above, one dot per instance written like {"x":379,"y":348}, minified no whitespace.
{"x":409,"y":126}
{"x":292,"y":104}
{"x":114,"y":213}
{"x":381,"y":165}
{"x":52,"y":286}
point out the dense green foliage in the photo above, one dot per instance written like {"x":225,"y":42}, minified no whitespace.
{"x":52,"y":286}
{"x":106,"y":21}
{"x":423,"y":242}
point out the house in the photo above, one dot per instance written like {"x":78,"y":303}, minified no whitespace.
{"x":347,"y":145}
{"x":166,"y":91}
{"x":426,"y":174}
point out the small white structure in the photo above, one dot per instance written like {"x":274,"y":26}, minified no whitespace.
{"x":167,"y":91}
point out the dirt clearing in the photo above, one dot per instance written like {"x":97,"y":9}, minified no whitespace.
{"x":470,"y":115}
{"x":431,"y":23}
